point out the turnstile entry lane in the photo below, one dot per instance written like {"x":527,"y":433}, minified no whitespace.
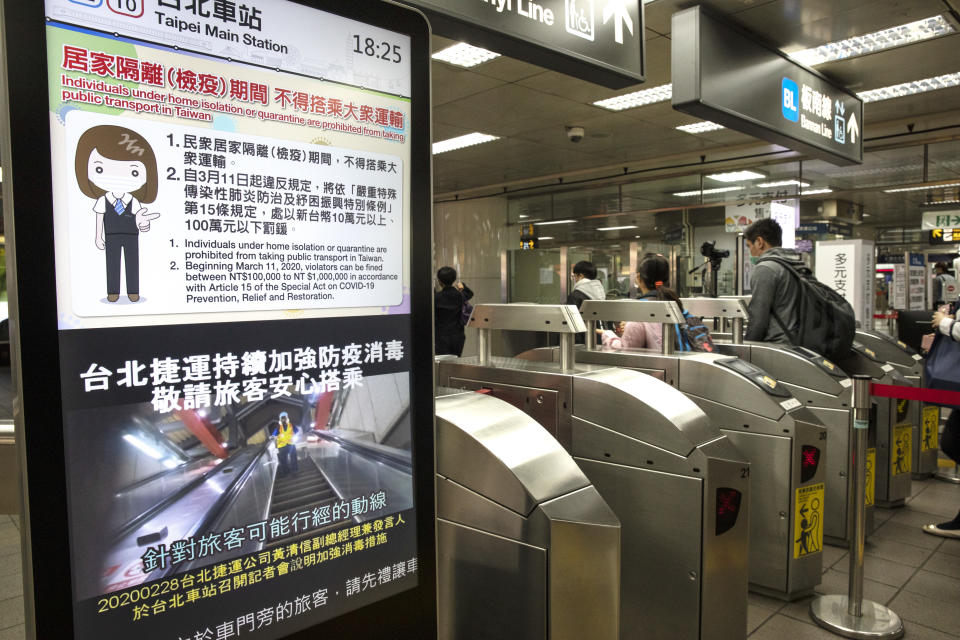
{"x":924,"y":418}
{"x":894,"y":436}
{"x":889,"y":453}
{"x":819,"y":384}
{"x":9,"y":470}
{"x":526,"y":547}
{"x":784,"y":442}
{"x":678,"y":486}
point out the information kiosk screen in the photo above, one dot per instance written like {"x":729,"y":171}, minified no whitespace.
{"x":231,"y":187}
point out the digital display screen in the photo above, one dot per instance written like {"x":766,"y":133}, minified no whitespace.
{"x":231,"y":190}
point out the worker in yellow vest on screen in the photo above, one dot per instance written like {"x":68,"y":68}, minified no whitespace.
{"x":286,"y":449}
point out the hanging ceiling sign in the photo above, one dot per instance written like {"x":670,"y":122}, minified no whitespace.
{"x":596,"y":40}
{"x":940,"y":219}
{"x":222,"y":317}
{"x":722,"y":74}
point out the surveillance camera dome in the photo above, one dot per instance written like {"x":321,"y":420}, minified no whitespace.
{"x":575,"y":134}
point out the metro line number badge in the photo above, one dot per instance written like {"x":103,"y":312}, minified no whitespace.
{"x":901,"y":449}
{"x":808,"y":520}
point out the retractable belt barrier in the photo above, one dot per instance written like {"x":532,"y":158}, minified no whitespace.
{"x":932,"y":396}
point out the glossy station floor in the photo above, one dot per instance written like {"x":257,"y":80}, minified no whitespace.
{"x":915,"y":574}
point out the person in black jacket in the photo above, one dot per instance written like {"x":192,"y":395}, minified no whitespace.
{"x":585,"y":284}
{"x":448,"y":313}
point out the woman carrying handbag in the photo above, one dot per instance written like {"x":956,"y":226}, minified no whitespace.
{"x":942,"y":371}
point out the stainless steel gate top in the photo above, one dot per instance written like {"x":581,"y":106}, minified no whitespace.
{"x":525,"y":542}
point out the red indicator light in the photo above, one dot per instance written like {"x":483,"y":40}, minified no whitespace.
{"x":728,"y":508}
{"x":809,"y":462}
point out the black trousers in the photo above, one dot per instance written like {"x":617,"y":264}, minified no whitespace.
{"x":950,"y":438}
{"x":130,"y":244}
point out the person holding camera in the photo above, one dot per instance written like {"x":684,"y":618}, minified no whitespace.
{"x":774,"y":311}
{"x":448,"y":312}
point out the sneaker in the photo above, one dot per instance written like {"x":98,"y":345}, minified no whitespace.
{"x":113,"y":297}
{"x":133,"y":297}
{"x":944,"y":529}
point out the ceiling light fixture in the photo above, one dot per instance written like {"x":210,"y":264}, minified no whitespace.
{"x":911,"y":88}
{"x":685,"y":194}
{"x":898,"y":36}
{"x":464,"y":55}
{"x":923,"y":188}
{"x":462,"y":141}
{"x":815,"y":192}
{"x":638,"y":98}
{"x":545,"y":238}
{"x":700,"y":127}
{"x":736,"y":176}
{"x":784,"y":183}
{"x":543,"y":224}
{"x":626,"y":226}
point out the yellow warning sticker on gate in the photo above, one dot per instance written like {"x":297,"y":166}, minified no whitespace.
{"x":901,"y":443}
{"x":871,"y":477}
{"x":931,"y":428}
{"x":808,"y":521}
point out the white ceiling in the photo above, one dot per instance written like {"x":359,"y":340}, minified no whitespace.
{"x":529,"y":108}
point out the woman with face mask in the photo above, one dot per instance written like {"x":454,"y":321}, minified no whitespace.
{"x":653,"y":272}
{"x":117,"y":168}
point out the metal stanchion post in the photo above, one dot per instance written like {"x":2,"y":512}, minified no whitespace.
{"x":851,"y":616}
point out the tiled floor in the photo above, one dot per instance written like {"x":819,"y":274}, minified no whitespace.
{"x":915,"y":574}
{"x":11,"y":580}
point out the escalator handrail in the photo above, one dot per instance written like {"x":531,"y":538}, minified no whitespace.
{"x":396,"y":461}
{"x":230,"y":493}
{"x":156,"y":476}
{"x":137,"y":521}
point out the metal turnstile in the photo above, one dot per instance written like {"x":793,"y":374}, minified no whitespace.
{"x":890,"y":450}
{"x":820,"y":385}
{"x":9,"y":470}
{"x":783,"y":441}
{"x":678,"y":486}
{"x":526,"y":547}
{"x":924,"y":418}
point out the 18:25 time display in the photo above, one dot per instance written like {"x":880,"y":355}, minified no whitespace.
{"x":383,"y":50}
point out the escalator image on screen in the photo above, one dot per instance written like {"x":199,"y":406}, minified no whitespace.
{"x":154,"y":497}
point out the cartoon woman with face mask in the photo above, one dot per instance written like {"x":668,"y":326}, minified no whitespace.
{"x":118,"y":169}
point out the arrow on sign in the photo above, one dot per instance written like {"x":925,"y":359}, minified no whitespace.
{"x":937,"y":233}
{"x":617,"y":9}
{"x":852,"y":128}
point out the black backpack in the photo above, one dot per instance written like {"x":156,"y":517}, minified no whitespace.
{"x":694,"y":334}
{"x":827,"y":321}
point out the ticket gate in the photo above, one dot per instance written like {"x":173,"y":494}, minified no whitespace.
{"x":819,"y":384}
{"x":924,"y":418}
{"x":9,"y":470}
{"x":676,"y":483}
{"x":889,"y":455}
{"x":524,"y":541}
{"x":890,"y":450}
{"x":783,"y":441}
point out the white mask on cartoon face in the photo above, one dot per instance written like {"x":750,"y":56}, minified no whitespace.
{"x":115,"y":176}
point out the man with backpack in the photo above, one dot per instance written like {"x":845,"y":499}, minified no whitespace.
{"x":945,"y":288}
{"x":775,"y":307}
{"x":789,"y":305}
